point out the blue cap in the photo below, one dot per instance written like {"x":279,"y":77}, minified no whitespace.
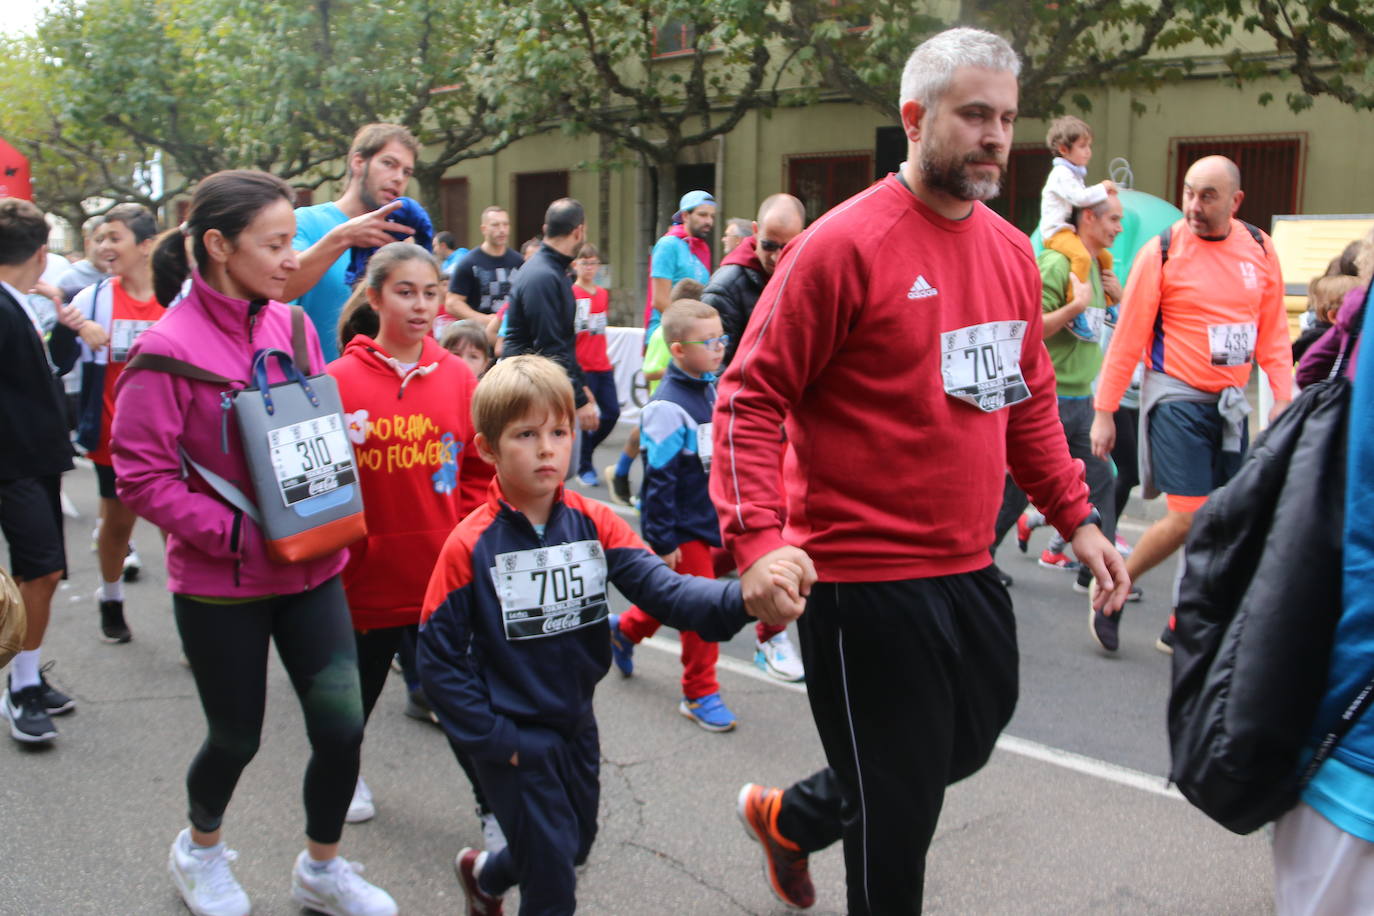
{"x":691,"y":200}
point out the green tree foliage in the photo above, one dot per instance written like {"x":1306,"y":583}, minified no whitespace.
{"x":279,"y":85}
{"x":653,"y":77}
{"x":1331,"y":43}
{"x":860,"y":46}
{"x":72,"y":164}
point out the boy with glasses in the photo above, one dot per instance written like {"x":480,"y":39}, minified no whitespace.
{"x":677,"y":518}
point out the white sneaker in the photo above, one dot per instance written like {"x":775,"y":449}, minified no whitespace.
{"x":779,"y":659}
{"x":132,"y":565}
{"x":338,"y":890}
{"x":205,"y":880}
{"x":492,"y":836}
{"x":361,"y":808}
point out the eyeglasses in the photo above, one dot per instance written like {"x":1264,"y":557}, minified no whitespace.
{"x":770,"y":245}
{"x":712,"y":343}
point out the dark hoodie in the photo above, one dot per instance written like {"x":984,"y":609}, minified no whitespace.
{"x":409,"y":429}
{"x":734,"y":289}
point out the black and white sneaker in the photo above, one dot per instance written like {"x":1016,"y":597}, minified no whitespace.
{"x":29,"y":722}
{"x":1104,"y":627}
{"x":619,"y":487}
{"x":113,"y":629}
{"x":132,"y":565}
{"x":55,"y":702}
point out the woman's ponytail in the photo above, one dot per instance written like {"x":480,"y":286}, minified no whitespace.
{"x":171,"y":266}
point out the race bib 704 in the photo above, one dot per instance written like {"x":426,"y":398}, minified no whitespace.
{"x":981,"y":364}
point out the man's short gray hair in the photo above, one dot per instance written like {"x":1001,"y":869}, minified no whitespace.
{"x":929,"y":68}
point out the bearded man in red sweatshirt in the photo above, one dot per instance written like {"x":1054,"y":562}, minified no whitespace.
{"x":901,"y":331}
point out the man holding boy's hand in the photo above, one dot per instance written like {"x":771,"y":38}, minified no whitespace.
{"x":899,"y":342}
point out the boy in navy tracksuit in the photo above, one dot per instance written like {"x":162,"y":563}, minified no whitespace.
{"x":677,"y":517}
{"x":513,"y":636}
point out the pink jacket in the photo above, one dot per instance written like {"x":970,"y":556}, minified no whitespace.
{"x":212,"y":550}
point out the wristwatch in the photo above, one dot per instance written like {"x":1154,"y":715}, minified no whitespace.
{"x":1092,"y":518}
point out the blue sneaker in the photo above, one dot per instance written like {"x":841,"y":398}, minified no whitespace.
{"x":622,"y":650}
{"x":710,"y":712}
{"x":1080,"y":328}
{"x":589,"y":479}
{"x":1109,"y":319}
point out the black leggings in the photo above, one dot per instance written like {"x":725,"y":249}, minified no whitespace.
{"x":226,"y":646}
{"x":376,"y":648}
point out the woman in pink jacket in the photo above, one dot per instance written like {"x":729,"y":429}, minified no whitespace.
{"x":230,"y":600}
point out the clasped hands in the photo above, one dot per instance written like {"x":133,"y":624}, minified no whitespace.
{"x":775,"y":587}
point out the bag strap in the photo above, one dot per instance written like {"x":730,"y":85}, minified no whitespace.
{"x":230,"y":493}
{"x":1338,"y":731}
{"x":1352,"y":337}
{"x":173,"y":366}
{"x":300,"y":350}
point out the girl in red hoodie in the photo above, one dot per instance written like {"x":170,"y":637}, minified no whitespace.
{"x":407,"y":404}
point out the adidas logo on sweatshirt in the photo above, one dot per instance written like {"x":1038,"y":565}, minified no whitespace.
{"x":921,"y":289}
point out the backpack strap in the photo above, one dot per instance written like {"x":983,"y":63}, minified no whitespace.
{"x":173,"y":366}
{"x":1348,"y":718}
{"x":1254,"y":231}
{"x":300,"y":350}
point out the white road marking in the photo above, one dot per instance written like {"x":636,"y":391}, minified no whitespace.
{"x":1089,"y":766}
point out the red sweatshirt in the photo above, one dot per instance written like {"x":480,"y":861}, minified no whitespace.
{"x":872,"y":314}
{"x":409,"y":429}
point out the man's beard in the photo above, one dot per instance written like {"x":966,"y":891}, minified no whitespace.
{"x":365,"y":194}
{"x":949,"y":173}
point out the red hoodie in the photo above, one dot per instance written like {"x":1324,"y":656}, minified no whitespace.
{"x":409,"y":430}
{"x":870,"y":314}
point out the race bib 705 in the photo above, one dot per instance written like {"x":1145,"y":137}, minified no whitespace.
{"x":545,"y":591}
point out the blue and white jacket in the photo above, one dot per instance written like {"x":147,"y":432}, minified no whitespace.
{"x":514,"y":634}
{"x":675,"y":440}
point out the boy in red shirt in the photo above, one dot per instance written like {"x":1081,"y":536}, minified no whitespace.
{"x":593,"y":304}
{"x":122,"y":308}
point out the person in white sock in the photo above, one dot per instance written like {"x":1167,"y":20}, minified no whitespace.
{"x":117,"y":312}
{"x":37,"y":453}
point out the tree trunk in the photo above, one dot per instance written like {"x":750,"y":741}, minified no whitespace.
{"x":428,"y":177}
{"x":665,"y":170}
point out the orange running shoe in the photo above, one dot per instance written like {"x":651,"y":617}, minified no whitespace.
{"x":784,"y":864}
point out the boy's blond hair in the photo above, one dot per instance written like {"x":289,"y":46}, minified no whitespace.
{"x":1065,"y":131}
{"x":1325,"y":295}
{"x":678,"y":319}
{"x":518,"y":386}
{"x":686,"y":288}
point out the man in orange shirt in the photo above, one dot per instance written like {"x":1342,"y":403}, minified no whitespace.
{"x":1199,"y":310}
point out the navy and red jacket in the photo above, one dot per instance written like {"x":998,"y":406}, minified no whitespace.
{"x":676,"y":506}
{"x":502,"y":680}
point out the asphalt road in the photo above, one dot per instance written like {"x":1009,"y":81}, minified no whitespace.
{"x":1071,"y":816}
